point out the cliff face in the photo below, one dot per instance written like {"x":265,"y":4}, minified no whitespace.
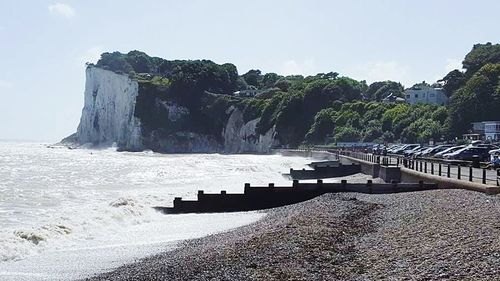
{"x":108,"y":112}
{"x":241,"y":137}
{"x":111,"y":116}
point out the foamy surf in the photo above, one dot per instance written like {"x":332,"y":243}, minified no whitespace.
{"x":67,"y":214}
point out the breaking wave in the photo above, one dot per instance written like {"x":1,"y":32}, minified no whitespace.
{"x":19,"y":243}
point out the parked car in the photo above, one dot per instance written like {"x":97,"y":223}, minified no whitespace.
{"x":419,"y":153}
{"x":448,"y":150}
{"x":405,"y":147}
{"x":379,"y":149}
{"x":476,"y":142}
{"x":487,"y":145}
{"x":414,"y":151}
{"x":433,"y":150}
{"x":393,"y":148}
{"x":467,"y":153}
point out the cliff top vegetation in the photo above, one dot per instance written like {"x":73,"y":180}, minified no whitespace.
{"x":317,"y":109}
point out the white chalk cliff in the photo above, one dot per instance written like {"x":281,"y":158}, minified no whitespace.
{"x":108,"y":112}
{"x":241,"y":137}
{"x":108,"y":117}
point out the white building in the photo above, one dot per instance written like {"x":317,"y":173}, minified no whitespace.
{"x":425,"y":94}
{"x":488,"y":130}
{"x":492,"y":130}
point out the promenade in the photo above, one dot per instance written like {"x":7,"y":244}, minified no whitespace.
{"x":456,"y":170}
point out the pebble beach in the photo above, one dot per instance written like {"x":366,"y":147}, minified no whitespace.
{"x":430,"y":235}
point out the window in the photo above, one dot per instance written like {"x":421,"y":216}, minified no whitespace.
{"x":416,"y":96}
{"x":432,"y":95}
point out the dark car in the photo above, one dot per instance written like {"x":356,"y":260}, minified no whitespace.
{"x":468,"y":153}
{"x":488,"y":146}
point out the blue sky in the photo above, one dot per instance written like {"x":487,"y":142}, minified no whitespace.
{"x":45,"y":44}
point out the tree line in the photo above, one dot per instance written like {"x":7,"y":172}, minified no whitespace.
{"x":316,"y":109}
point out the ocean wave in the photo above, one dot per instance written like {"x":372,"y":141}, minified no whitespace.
{"x":115,"y":215}
{"x":20,"y":243}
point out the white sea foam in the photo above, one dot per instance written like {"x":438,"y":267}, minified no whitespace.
{"x":66,"y":213}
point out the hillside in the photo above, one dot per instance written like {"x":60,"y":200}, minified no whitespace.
{"x":201,"y":106}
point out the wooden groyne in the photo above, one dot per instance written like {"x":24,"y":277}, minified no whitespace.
{"x":270,"y":196}
{"x":323,"y":171}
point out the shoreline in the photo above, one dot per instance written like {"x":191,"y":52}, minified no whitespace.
{"x":441,"y":234}
{"x":125,"y":186}
{"x":257,"y":251}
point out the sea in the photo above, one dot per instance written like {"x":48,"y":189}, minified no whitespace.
{"x":73,"y":213}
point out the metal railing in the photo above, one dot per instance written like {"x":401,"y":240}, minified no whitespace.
{"x":437,"y":168}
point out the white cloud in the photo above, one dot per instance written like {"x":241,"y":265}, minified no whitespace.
{"x":452,"y":64}
{"x":61,"y":9}
{"x":382,"y":71}
{"x":292,"y":67}
{"x":92,"y":55}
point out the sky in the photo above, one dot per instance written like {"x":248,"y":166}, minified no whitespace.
{"x":44,"y":45}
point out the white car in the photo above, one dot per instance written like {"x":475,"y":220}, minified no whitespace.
{"x":494,"y":152}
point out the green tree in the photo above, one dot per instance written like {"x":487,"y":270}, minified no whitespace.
{"x":481,"y":55}
{"x":478,"y":100}
{"x":347,"y":134}
{"x":270,"y":79}
{"x":453,"y":81}
{"x":324,"y":123}
{"x":253,"y":77}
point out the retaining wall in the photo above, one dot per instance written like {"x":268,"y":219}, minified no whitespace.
{"x":409,"y":175}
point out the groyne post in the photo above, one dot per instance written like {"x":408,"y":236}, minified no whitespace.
{"x":177,"y":202}
{"x":369,"y":185}
{"x":394,"y":185}
{"x":343,"y":183}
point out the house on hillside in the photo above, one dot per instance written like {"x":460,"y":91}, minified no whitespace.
{"x":426,"y":95}
{"x":486,"y":130}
